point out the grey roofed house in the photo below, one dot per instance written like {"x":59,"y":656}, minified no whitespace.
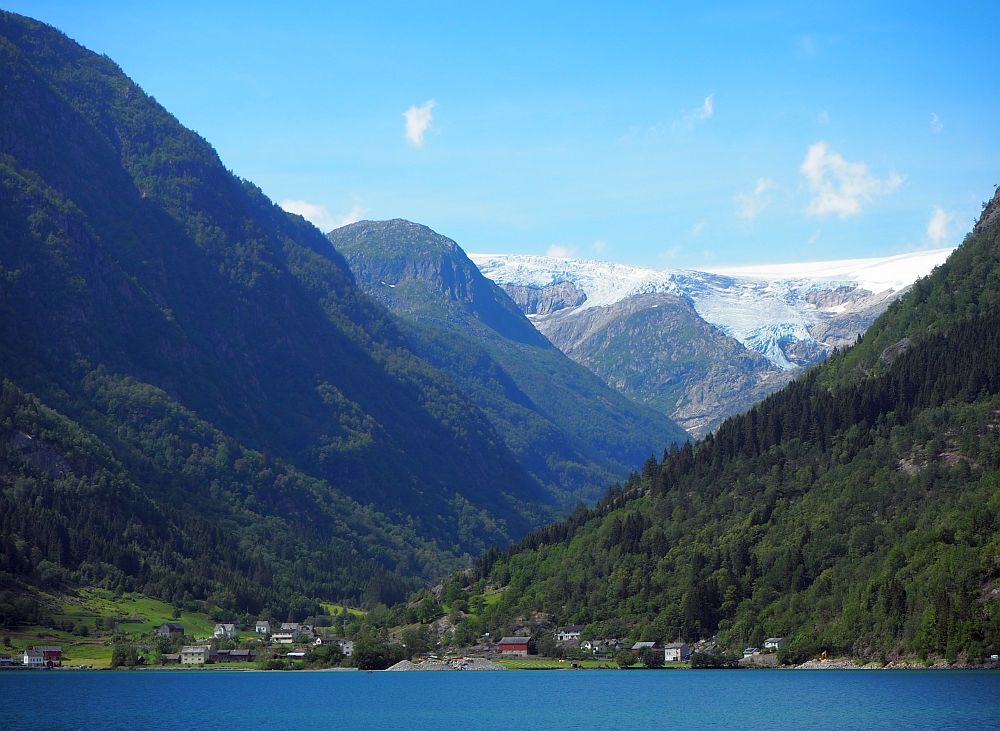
{"x":644,"y":645}
{"x":170,"y":629}
{"x":773,"y":643}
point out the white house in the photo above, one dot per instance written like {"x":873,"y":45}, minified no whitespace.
{"x":284,"y":637}
{"x":346,"y":646}
{"x":194,"y":654}
{"x":569,"y":632}
{"x":774,"y":643}
{"x":263,"y":627}
{"x":750,"y":651}
{"x":33,"y":659}
{"x":675,"y":652}
{"x":225,"y":629}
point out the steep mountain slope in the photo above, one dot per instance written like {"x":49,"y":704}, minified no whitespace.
{"x":856,"y":510}
{"x":163,"y":307}
{"x":718,"y":341}
{"x":569,"y":429}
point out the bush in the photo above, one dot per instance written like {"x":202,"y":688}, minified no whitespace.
{"x":713,"y":661}
{"x":625,"y":659}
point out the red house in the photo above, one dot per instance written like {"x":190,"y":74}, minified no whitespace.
{"x":51,"y":655}
{"x":514,"y":646}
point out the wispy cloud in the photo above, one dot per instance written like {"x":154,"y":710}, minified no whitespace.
{"x":418,"y":121}
{"x":700,"y":114}
{"x":939,"y":227}
{"x":698,"y":228}
{"x":352,"y":216}
{"x":823,"y":117}
{"x":750,"y":205}
{"x":806,"y":47}
{"x":937,"y":126}
{"x":599,"y":246}
{"x":560,"y":251}
{"x":840,"y":186}
{"x":320,"y":216}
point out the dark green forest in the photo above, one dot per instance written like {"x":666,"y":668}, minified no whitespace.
{"x":199,"y":401}
{"x":857,"y":510}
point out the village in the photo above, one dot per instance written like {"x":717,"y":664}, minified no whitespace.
{"x":283,"y":642}
{"x":281,"y":645}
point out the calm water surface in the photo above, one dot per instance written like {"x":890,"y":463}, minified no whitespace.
{"x":592,"y":699}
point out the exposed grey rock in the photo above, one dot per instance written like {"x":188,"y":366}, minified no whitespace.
{"x":545,"y":300}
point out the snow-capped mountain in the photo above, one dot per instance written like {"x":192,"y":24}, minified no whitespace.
{"x":781,"y":311}
{"x":703,"y":344}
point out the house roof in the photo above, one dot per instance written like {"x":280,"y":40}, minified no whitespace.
{"x":572,"y":628}
{"x":33,"y":653}
{"x":514,"y":640}
{"x":674,"y":645}
{"x":47,"y":648}
{"x":172,"y":626}
{"x":774,"y":639}
{"x":195,"y":648}
{"x":643,"y":645}
{"x":225,"y":625}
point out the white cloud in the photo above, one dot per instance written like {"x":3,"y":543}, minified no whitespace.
{"x":352,"y":216}
{"x":823,"y":117}
{"x":704,"y":112}
{"x":698,"y":228}
{"x":750,"y":205}
{"x":559,"y":251}
{"x":320,"y":216}
{"x":316,"y":214}
{"x":938,"y":228}
{"x":418,"y":120}
{"x":839,"y":186}
{"x":937,"y":126}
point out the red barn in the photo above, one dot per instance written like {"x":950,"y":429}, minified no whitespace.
{"x":52,"y":655}
{"x":514,"y":646}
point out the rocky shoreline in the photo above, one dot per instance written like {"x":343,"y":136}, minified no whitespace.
{"x":458,"y":663}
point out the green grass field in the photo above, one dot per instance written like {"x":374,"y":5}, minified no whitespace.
{"x":548,"y":663}
{"x":340,"y":609}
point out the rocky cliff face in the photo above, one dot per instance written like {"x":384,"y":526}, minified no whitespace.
{"x":655,"y":349}
{"x":545,"y":300}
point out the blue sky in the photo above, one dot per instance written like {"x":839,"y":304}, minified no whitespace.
{"x":663,"y":134}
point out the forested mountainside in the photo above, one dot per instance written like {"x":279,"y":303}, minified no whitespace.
{"x":857,"y":510}
{"x":700,"y":346}
{"x":571,"y":431}
{"x":197,"y":397}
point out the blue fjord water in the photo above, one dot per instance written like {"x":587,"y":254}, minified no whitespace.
{"x":591,"y":699}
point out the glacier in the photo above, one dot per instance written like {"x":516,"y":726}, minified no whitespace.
{"x":785,"y":312}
